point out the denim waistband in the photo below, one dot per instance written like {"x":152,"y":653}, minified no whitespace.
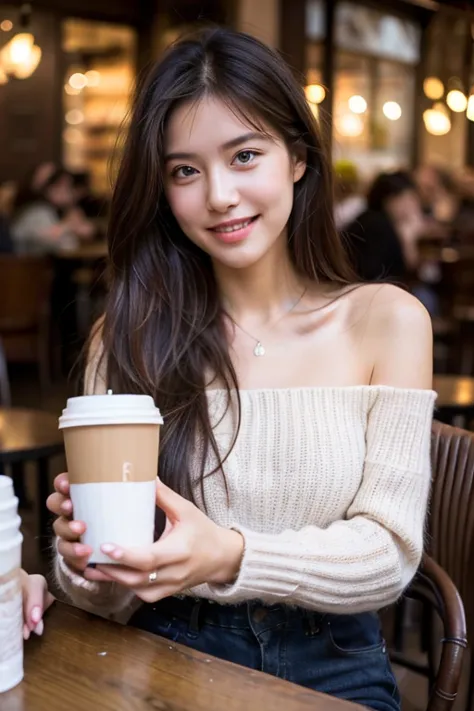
{"x":244,"y":616}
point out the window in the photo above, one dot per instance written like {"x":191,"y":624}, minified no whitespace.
{"x":100,"y":61}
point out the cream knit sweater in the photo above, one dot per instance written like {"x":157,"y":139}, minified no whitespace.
{"x":329,"y":488}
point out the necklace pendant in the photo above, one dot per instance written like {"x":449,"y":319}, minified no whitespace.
{"x":259,"y":350}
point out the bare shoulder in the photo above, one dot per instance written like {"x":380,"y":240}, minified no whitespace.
{"x":396,"y":332}
{"x":385,"y":307}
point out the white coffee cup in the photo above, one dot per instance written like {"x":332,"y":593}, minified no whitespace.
{"x":11,"y":603}
{"x":112,"y":444}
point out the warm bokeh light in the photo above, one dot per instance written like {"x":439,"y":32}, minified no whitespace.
{"x":436,"y":120}
{"x":6,"y":25}
{"x":392,"y":110}
{"x":74,"y":117}
{"x":315,"y":93}
{"x":433,"y":88}
{"x":73,"y":135}
{"x":70,"y":90}
{"x":350,"y":125}
{"x":358,"y":104}
{"x":3,"y":76}
{"x":93,"y":77}
{"x":28,"y":66}
{"x":78,"y":81}
{"x":470,"y":108}
{"x":456,"y":100}
{"x":21,"y":56}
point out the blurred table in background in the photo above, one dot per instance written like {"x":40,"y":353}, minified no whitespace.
{"x":86,"y":252}
{"x":31,"y":436}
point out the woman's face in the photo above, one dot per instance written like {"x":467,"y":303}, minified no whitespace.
{"x":230,"y":188}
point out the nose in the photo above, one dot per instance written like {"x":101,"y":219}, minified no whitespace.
{"x":222,"y":192}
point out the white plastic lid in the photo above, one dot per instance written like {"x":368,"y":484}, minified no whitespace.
{"x":6,"y":489}
{"x":110,"y":410}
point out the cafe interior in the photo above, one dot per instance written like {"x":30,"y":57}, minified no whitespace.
{"x":391,"y":83}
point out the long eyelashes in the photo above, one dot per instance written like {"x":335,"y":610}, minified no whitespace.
{"x":187,"y":171}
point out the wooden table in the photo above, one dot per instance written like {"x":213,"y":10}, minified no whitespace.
{"x":83,"y":662}
{"x":455,"y":398}
{"x":31,"y":435}
{"x":85,"y":252}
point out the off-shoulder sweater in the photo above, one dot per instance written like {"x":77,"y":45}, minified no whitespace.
{"x":328,"y":487}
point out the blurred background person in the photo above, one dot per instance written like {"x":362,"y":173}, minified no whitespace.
{"x":383,"y":239}
{"x":349,"y":201}
{"x":437,"y":190}
{"x":91,"y":206}
{"x":46,"y":216}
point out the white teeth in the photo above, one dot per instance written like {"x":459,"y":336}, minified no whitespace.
{"x":234,"y":228}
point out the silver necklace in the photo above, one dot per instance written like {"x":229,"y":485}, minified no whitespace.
{"x":259,"y":349}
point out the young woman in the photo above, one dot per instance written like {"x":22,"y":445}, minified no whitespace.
{"x":294,"y":468}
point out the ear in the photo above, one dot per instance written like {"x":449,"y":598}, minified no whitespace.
{"x":299,"y":167}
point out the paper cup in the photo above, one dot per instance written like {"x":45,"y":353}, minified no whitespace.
{"x":11,"y":603}
{"x":112,"y":444}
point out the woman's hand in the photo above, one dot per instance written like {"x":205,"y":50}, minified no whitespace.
{"x":36,"y":599}
{"x":192,"y":550}
{"x":76,"y":555}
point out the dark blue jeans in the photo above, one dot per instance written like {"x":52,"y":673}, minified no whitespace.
{"x":341,"y":655}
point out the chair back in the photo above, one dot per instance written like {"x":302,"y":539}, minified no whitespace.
{"x":451,"y":517}
{"x":25,"y":286}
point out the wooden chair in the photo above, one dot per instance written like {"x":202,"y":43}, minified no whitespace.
{"x":434,"y":588}
{"x":25,"y":311}
{"x":451,"y":521}
{"x":448,"y":566}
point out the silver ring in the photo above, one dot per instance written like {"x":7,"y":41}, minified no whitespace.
{"x":152,"y":578}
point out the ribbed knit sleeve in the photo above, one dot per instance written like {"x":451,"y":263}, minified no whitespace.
{"x":364,"y":561}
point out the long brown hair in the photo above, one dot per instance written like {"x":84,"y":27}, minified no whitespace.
{"x":163,"y":331}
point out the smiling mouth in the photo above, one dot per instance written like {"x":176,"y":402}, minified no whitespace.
{"x":235,"y":227}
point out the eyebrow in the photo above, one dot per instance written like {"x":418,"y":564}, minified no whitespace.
{"x":252,"y":136}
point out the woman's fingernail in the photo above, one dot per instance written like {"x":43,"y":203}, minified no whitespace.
{"x":107,"y":548}
{"x":80,"y":549}
{"x":75,"y":526}
{"x":66,"y":506}
{"x":39,"y":628}
{"x":36,"y":615}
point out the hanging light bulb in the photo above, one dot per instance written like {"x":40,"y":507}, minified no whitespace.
{"x":349,"y":125}
{"x":470,"y":108}
{"x":358,"y":104}
{"x":456,"y":100}
{"x":433,"y":88}
{"x":21,"y":56}
{"x":392,"y":110}
{"x":436,"y":120}
{"x":315,"y":93}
